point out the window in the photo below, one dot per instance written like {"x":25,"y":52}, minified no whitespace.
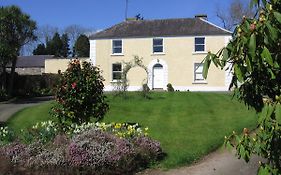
{"x":157,"y":45}
{"x":116,"y":71}
{"x":199,"y":44}
{"x":198,"y":72}
{"x":116,"y":46}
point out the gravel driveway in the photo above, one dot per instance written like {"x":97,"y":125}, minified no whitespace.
{"x":7,"y":109}
{"x":220,"y":162}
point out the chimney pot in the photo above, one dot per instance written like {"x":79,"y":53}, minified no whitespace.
{"x":203,"y":16}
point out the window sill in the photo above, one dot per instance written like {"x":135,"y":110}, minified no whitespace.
{"x":116,"y":81}
{"x":117,"y":54}
{"x":198,"y":53}
{"x":158,"y":53}
{"x":199,"y":82}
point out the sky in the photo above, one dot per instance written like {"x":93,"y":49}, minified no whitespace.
{"x":100,"y":14}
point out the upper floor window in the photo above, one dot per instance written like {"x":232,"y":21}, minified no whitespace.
{"x":116,"y":46}
{"x":116,"y":71}
{"x":199,"y":44}
{"x":198,"y":72}
{"x":157,"y":45}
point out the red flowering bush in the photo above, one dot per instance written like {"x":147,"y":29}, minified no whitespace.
{"x":79,"y":94}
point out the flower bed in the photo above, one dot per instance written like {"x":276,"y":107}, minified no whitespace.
{"x":116,"y":148}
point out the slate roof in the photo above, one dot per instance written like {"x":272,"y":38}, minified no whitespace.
{"x":32,"y":61}
{"x":161,"y":28}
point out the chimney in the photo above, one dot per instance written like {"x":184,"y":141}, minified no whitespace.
{"x":203,"y":16}
{"x":131,"y":19}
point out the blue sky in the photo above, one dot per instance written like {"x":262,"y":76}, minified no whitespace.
{"x":100,"y":14}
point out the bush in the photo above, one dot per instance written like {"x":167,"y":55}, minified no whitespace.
{"x":170,"y":87}
{"x":145,"y":91}
{"x":79,"y":95}
{"x":34,"y":85}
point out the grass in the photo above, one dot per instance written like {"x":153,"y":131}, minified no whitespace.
{"x":27,"y":117}
{"x":188,"y":125}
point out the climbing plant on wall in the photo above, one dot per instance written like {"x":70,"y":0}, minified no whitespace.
{"x":122,"y":85}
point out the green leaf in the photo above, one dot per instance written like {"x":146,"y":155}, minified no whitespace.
{"x":238,"y":73}
{"x":249,"y":64}
{"x":263,"y":171}
{"x":242,"y":151}
{"x":267,"y":56}
{"x":225,"y":54}
{"x":206,"y":66}
{"x":278,"y":112}
{"x":271,"y":73}
{"x":276,"y":65}
{"x":263,"y":114}
{"x":270,"y":111}
{"x":252,"y":46}
{"x":272,"y":31}
{"x":277,"y":15}
{"x":266,"y":41}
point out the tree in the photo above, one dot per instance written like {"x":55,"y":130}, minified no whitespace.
{"x":6,"y":53}
{"x":254,"y":56}
{"x":82,"y":47}
{"x":46,"y":33}
{"x":232,"y":15}
{"x":17,"y":29}
{"x":40,"y":50}
{"x":65,"y":46}
{"x":74,"y":31}
{"x":54,"y":46}
{"x":57,"y":46}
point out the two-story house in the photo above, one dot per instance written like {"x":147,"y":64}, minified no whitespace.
{"x":172,"y":50}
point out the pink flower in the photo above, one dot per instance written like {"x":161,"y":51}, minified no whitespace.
{"x":73,"y":85}
{"x":253,"y":27}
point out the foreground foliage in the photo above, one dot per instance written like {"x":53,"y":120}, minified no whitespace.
{"x":116,"y":148}
{"x":255,"y":58}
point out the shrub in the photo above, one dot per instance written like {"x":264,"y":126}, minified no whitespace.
{"x":170,"y":87}
{"x":35,"y":85}
{"x":145,"y":91}
{"x":80,"y":95}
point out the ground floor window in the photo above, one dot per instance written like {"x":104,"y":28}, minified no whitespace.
{"x":198,"y":72}
{"x":116,"y":71}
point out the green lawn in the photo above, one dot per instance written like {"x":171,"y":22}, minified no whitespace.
{"x":29,"y":116}
{"x":188,"y":125}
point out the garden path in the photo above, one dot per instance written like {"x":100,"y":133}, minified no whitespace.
{"x":7,"y":109}
{"x":220,"y":162}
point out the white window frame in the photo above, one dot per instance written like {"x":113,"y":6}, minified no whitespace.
{"x":196,"y":72}
{"x":113,"y":47}
{"x":200,"y":44}
{"x":113,"y":71}
{"x":157,"y":45}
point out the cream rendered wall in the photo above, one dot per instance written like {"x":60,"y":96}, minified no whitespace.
{"x":178,"y":54}
{"x":54,"y":65}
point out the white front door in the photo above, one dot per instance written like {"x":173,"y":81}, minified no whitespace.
{"x":158,"y":76}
